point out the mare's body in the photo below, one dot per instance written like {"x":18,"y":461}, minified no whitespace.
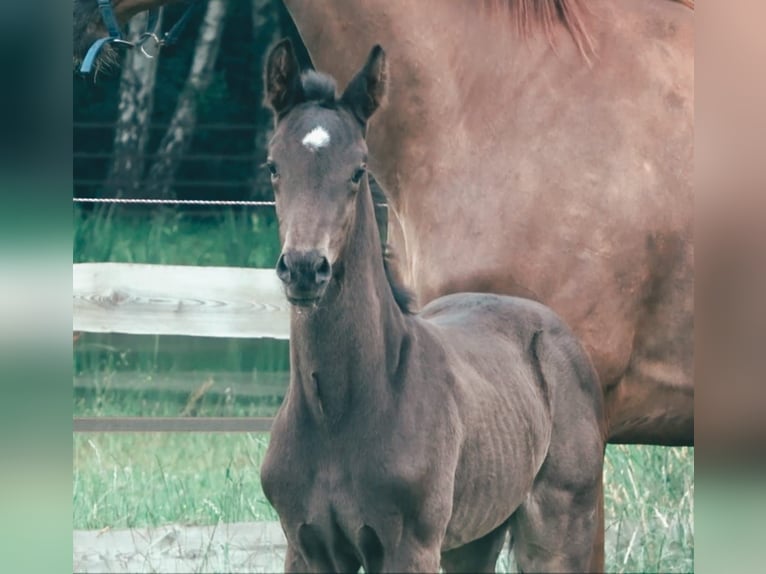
{"x":514,"y":166}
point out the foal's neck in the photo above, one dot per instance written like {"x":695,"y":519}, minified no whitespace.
{"x":345,"y":353}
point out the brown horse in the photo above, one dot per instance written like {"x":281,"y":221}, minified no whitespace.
{"x":409,"y":441}
{"x":537,"y":148}
{"x":544,"y":149}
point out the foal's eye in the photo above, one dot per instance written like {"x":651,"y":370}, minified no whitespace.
{"x":272,"y":167}
{"x":358,"y":174}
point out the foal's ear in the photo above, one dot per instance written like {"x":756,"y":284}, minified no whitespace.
{"x":366,"y":90}
{"x":283,"y":78}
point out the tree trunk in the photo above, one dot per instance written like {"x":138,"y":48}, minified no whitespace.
{"x":131,"y":133}
{"x":179,"y":134}
{"x":266,"y":32}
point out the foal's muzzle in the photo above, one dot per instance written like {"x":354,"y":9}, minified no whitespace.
{"x":305,"y":275}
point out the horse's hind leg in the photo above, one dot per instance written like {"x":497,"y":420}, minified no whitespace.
{"x":478,"y":555}
{"x":555,"y":529}
{"x":597,"y":553}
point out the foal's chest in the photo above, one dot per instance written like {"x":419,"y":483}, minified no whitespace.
{"x":309,"y":482}
{"x":331,"y":497}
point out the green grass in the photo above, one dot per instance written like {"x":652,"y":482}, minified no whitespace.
{"x":133,"y":375}
{"x":168,"y":236}
{"x":166,"y":404}
{"x":148,"y":479}
{"x":649,"y":508}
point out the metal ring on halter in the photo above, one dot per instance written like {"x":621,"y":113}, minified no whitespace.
{"x":142,"y":43}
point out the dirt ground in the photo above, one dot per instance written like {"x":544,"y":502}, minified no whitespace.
{"x":257,"y":547}
{"x":238,"y":547}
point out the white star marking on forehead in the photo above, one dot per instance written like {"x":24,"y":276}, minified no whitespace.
{"x":316,"y":138}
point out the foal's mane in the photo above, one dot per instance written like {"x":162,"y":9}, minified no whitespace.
{"x":403,"y":295}
{"x":321,"y":88}
{"x":529,"y":16}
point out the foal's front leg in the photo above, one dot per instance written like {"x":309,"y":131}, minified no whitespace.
{"x":412,"y":556}
{"x":294,"y":562}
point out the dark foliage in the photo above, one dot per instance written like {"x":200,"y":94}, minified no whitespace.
{"x":229,"y":141}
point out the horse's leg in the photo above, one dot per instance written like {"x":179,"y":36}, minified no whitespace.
{"x":478,"y":555}
{"x":411,"y":556}
{"x":294,"y":562}
{"x":597,"y":552}
{"x":555,"y":528}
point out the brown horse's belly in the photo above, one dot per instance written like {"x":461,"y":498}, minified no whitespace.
{"x":650,"y":409}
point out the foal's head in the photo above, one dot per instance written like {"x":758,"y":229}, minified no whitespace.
{"x":318,"y":162}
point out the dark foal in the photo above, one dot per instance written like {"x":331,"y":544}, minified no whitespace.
{"x":409,"y":441}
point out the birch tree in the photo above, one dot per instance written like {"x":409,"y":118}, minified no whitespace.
{"x":266,"y":32}
{"x":179,"y":134}
{"x":137,"y":80}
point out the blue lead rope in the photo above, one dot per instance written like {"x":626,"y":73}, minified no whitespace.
{"x":171,"y":36}
{"x":115,"y":35}
{"x":110,"y":21}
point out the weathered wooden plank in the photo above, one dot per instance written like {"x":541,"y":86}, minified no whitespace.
{"x":178,"y":300}
{"x":172,"y":424}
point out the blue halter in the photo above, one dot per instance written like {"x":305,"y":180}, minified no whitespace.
{"x":151,"y":33}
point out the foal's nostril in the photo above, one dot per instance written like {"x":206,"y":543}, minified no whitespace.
{"x":304,"y":270}
{"x":323,"y":271}
{"x":283,"y":272}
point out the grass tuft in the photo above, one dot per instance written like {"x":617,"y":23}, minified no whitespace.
{"x":649,"y":508}
{"x":151,"y":479}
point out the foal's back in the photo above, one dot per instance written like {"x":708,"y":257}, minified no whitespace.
{"x":519,"y":349}
{"x":510,"y":341}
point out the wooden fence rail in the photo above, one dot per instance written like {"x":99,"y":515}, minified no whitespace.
{"x":177,"y":300}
